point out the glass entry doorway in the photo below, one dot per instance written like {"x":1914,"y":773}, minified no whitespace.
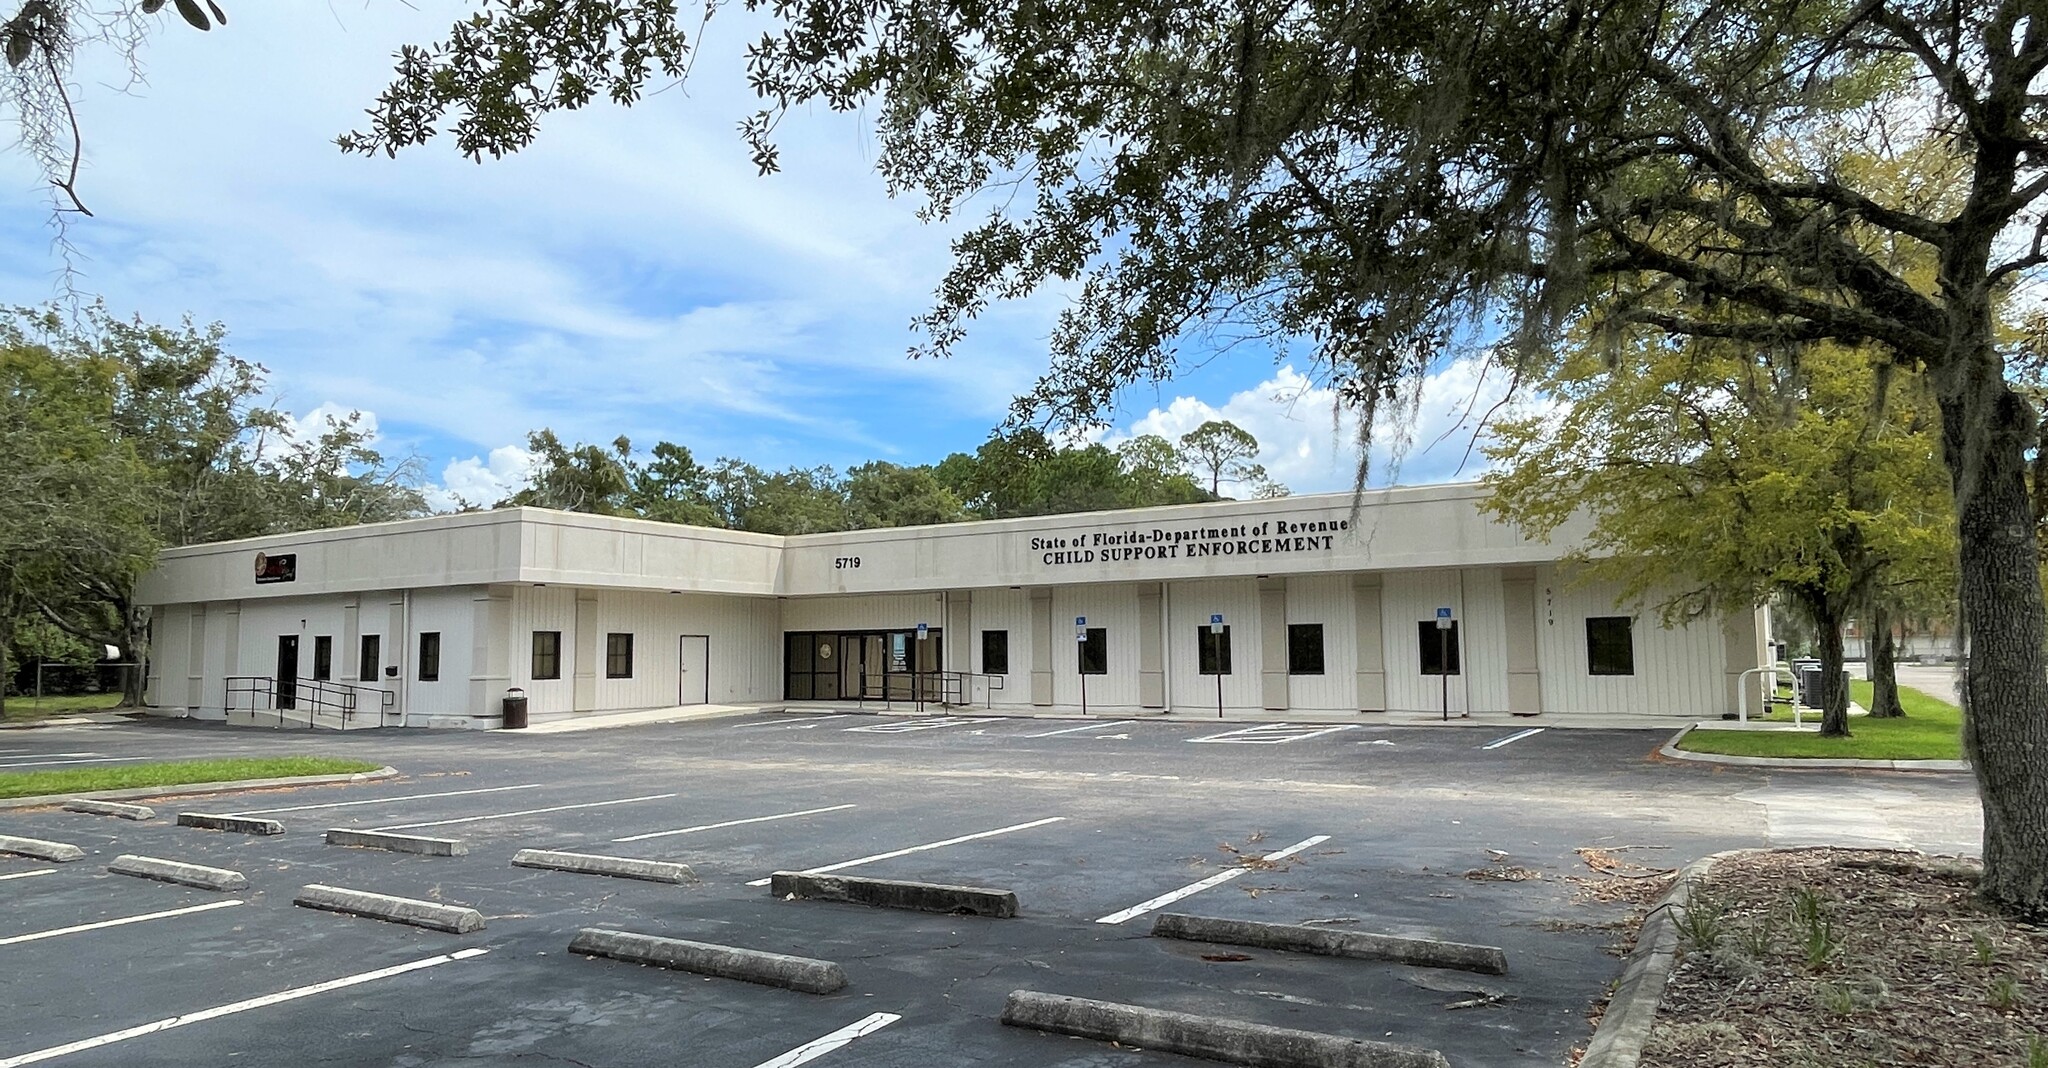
{"x":861,"y":665}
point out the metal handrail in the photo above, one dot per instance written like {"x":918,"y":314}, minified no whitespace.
{"x":946,"y":689}
{"x":310,"y":695}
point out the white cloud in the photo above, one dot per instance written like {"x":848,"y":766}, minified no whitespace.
{"x":329,"y":415}
{"x":1310,"y":444}
{"x":482,"y":482}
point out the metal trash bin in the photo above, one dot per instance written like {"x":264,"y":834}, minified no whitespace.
{"x":515,"y":709}
{"x":1810,"y":693}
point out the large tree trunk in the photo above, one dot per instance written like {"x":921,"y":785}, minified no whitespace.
{"x":1985,"y":430}
{"x":1834,"y":697}
{"x":135,"y":649}
{"x":1881,"y":655}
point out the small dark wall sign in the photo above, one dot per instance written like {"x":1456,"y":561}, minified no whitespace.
{"x":281,"y":568}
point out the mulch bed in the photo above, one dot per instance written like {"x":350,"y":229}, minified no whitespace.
{"x":1837,"y":957}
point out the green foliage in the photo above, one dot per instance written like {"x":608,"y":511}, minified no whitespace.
{"x":172,"y":773}
{"x":1702,"y":923}
{"x":2037,"y":1052}
{"x":881,"y":494}
{"x":1222,"y":450}
{"x":1813,"y":923}
{"x":2003,"y":993}
{"x":1931,"y":730}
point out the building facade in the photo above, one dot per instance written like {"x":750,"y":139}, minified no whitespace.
{"x":1405,"y":600}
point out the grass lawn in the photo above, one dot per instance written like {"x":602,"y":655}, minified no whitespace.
{"x":1931,"y":730}
{"x":29,"y":707}
{"x":170,"y":773}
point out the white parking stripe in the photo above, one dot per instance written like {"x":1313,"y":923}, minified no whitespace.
{"x":26,"y":874}
{"x":730,"y":823}
{"x":893,"y":854}
{"x":780,"y":720}
{"x":1083,"y":727}
{"x":386,"y":800}
{"x":121,"y":922}
{"x":47,"y":763}
{"x":1212,"y":881}
{"x":1512,"y":738}
{"x":906,"y":726}
{"x":820,"y":1046}
{"x":282,"y":996}
{"x":1274,"y":733}
{"x":523,"y":812}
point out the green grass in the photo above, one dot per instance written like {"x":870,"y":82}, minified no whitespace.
{"x":1931,"y":730}
{"x":31,"y":707}
{"x":170,"y":773}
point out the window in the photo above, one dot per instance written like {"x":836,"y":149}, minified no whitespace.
{"x":995,"y":652}
{"x":373,"y":655}
{"x":1439,"y":647}
{"x":547,"y":654}
{"x":323,"y":657}
{"x":1095,"y":652}
{"x":1304,"y":648}
{"x":618,"y":656}
{"x":1610,"y":646}
{"x":430,"y":656}
{"x":1212,"y":650}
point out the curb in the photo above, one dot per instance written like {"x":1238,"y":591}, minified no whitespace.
{"x":208,"y":821}
{"x":653,"y":871}
{"x":203,"y":789}
{"x":1671,"y":751}
{"x":60,"y":852}
{"x":1632,"y":1011}
{"x":177,"y":871}
{"x":429,"y":914}
{"x":1360,"y":945}
{"x":702,"y":958}
{"x":896,"y":894}
{"x":110,"y":808}
{"x":398,"y":843}
{"x":1234,"y":1041}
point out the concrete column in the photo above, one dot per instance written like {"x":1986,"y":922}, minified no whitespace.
{"x":1151,"y":650}
{"x":589,"y":645}
{"x":351,"y":640}
{"x":1043,"y":641}
{"x":195,"y":660}
{"x":1372,"y":647}
{"x":960,"y":634}
{"x":1742,"y":642}
{"x":1273,"y":643}
{"x":231,"y":634}
{"x":490,"y":649}
{"x":1525,"y":676}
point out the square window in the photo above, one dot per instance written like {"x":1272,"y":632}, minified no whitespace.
{"x":430,"y":656}
{"x":1304,"y":648}
{"x":995,"y":652}
{"x":618,"y":656}
{"x":373,"y":655}
{"x":323,"y":657}
{"x":1439,"y":647}
{"x":547,"y":654}
{"x":1095,"y":652}
{"x":1610,"y":646}
{"x":1212,"y":650}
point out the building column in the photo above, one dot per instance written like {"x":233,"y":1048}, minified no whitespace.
{"x":195,"y":660}
{"x":1042,"y":638}
{"x":1151,"y":650}
{"x":490,"y":649}
{"x":1372,"y":647}
{"x":1742,"y":642}
{"x":351,"y":640}
{"x":959,"y":634}
{"x":1525,"y":676}
{"x":1273,"y":643}
{"x":589,"y":645}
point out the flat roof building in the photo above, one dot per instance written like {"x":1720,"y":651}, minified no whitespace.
{"x":1327,"y":603}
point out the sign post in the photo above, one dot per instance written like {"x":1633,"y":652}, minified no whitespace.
{"x":1443,"y":659}
{"x":1216,"y":636}
{"x":1080,"y":639}
{"x":917,"y":684}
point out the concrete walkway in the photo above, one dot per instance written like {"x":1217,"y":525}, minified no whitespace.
{"x":1198,"y":714}
{"x":601,"y":720}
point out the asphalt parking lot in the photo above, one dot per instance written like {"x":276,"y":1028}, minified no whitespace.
{"x":1455,"y":833}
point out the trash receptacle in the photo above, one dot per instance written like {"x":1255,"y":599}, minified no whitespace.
{"x":1809,"y":686}
{"x":515,"y":709}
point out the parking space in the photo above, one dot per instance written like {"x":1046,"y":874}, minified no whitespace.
{"x":1098,"y":826}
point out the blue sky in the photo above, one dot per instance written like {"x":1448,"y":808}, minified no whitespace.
{"x":629,"y":274}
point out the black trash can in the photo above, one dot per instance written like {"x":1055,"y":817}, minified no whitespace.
{"x":515,"y":709}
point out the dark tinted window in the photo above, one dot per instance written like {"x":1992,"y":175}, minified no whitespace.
{"x":323,"y":657}
{"x":1095,"y":652}
{"x":1212,"y":650}
{"x":618,"y":656}
{"x":373,"y":657}
{"x":1610,"y":646}
{"x":547,"y":654}
{"x":1304,"y":648}
{"x":1439,"y":647}
{"x":430,"y":656}
{"x":995,"y":652}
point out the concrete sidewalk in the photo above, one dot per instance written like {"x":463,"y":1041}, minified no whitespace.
{"x":1196,"y":714}
{"x":601,"y":720}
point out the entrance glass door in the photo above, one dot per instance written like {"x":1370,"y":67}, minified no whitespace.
{"x":287,"y":683}
{"x":855,"y":665}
